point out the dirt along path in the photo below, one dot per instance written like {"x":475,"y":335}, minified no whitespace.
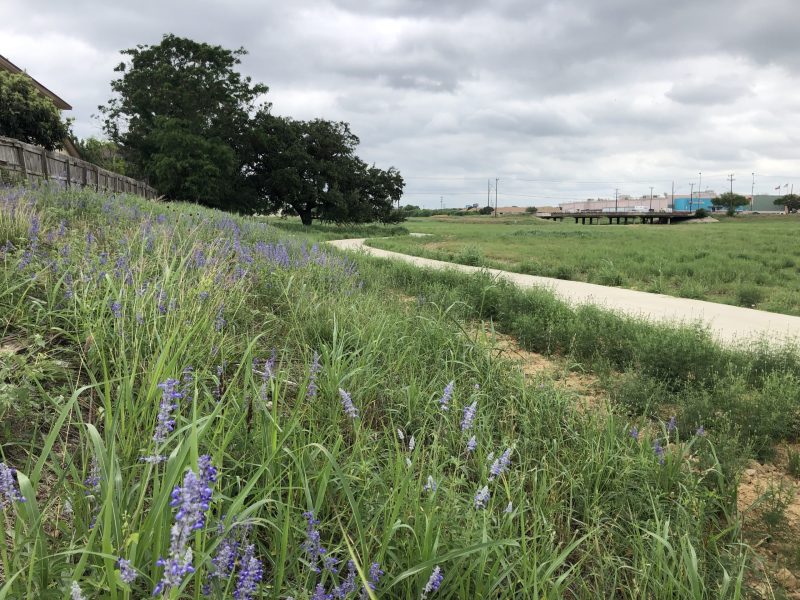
{"x":728,"y":324}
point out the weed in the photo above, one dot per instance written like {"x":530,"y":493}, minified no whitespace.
{"x":793,"y":463}
{"x":772,"y":505}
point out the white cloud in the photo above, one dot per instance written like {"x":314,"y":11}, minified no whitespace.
{"x":582,"y":96}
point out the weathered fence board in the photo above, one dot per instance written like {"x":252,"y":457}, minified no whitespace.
{"x":36,"y":163}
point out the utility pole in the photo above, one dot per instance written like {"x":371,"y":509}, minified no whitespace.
{"x":672,"y":198}
{"x":616,"y":204}
{"x":700,"y":186}
{"x":651,"y":197}
{"x":488,"y":192}
{"x":730,"y":178}
{"x":496,"y":181}
{"x":691,"y":196}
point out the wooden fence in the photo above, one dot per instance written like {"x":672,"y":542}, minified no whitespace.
{"x":35,"y":163}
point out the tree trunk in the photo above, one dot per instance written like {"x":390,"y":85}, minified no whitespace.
{"x":305,"y":217}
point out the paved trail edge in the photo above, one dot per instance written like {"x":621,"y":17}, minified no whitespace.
{"x":728,"y":324}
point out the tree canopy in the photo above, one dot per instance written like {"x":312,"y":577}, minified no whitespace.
{"x":730,"y":201}
{"x":198,"y":130}
{"x":179,"y":114}
{"x":29,"y":116}
{"x":790,"y":201}
{"x":310,"y":168}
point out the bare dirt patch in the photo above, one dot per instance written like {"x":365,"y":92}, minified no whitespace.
{"x":538,"y":366}
{"x":769,"y":503}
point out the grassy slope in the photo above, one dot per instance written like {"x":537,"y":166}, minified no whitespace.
{"x":93,"y":323}
{"x":750,"y":261}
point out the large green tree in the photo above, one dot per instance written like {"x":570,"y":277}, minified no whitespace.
{"x":730,"y":201}
{"x":27,"y":115}
{"x":180,"y":114}
{"x":310,"y":168}
{"x":790,"y":201}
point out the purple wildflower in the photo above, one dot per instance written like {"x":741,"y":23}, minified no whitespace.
{"x":658,"y":449}
{"x":500,"y":464}
{"x":347,"y":403}
{"x":69,"y":293}
{"x":75,"y":592}
{"x":166,"y":422}
{"x":374,"y":576}
{"x":116,"y":309}
{"x":224,"y":560}
{"x":219,"y":320}
{"x":672,"y":425}
{"x":701,"y":431}
{"x":250,"y":573}
{"x":444,"y":401}
{"x":469,"y":416}
{"x":329,"y":564}
{"x":434,"y":581}
{"x":482,"y":497}
{"x":635,"y":433}
{"x":431,"y":485}
{"x":313,"y":546}
{"x":92,"y":481}
{"x":472,"y":444}
{"x":320,"y":593}
{"x":313,"y":371}
{"x":191,"y":502}
{"x":348,"y":586}
{"x":126,"y":571}
{"x":269,"y":367}
{"x":9,"y":491}
{"x":217,"y":393}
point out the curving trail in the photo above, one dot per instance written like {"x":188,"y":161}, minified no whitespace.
{"x":728,"y":324}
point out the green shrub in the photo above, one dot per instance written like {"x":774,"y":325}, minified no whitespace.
{"x":793,"y":463}
{"x":471,"y":255}
{"x":749,"y":295}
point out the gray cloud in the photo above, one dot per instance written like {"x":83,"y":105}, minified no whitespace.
{"x":457,"y":91}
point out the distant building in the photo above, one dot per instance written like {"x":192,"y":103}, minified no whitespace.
{"x":766,"y":203}
{"x":61,"y":104}
{"x":665,"y":202}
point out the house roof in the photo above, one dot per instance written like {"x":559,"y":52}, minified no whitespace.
{"x":7,"y":65}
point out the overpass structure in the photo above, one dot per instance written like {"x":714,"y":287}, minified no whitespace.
{"x":622,"y":217}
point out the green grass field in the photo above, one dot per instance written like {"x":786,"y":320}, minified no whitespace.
{"x":195,"y":402}
{"x":748,"y":261}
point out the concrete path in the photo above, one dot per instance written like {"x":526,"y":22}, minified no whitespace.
{"x":729,"y":324}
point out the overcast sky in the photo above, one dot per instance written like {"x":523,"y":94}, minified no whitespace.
{"x":558,"y":99}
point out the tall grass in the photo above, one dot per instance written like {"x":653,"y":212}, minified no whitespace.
{"x":746,"y":261}
{"x":748,"y":393}
{"x":237,"y":345}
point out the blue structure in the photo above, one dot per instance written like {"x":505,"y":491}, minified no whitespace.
{"x":685,"y":203}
